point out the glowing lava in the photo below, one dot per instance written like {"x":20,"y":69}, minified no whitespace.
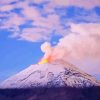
{"x":43,"y":61}
{"x":46,"y":60}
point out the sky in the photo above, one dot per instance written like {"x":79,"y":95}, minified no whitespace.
{"x":25,"y":25}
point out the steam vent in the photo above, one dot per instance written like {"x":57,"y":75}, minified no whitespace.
{"x":50,"y":81}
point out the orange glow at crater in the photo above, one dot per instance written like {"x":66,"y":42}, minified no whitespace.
{"x":45,"y":60}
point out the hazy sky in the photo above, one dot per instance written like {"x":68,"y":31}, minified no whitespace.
{"x":26,"y":24}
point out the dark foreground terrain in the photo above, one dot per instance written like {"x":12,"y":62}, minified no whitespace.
{"x":63,"y":93}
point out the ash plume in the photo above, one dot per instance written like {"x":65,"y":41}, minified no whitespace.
{"x":82,"y":44}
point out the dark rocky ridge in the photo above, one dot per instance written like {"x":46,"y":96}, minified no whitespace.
{"x":61,"y":93}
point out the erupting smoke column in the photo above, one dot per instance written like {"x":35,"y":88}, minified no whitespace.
{"x":52,"y":53}
{"x":74,"y":46}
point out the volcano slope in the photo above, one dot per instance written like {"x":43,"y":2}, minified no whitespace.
{"x":50,"y":81}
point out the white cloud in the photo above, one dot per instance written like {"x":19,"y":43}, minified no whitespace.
{"x":79,"y":3}
{"x":14,"y":20}
{"x":42,"y":25}
{"x":34,"y":34}
{"x":88,"y":4}
{"x":3,"y":2}
{"x":6,"y":8}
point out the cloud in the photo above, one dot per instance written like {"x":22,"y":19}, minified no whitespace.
{"x":3,"y":2}
{"x":40,"y":1}
{"x":34,"y":34}
{"x":31,"y":13}
{"x":12,"y":22}
{"x":42,"y":29}
{"x":86,"y":29}
{"x":80,"y":3}
{"x":6,"y":8}
{"x":44,"y":21}
{"x":82,"y":42}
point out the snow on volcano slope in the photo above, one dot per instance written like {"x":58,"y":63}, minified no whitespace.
{"x":55,"y":74}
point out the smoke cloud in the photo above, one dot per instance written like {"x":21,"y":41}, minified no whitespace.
{"x":83,"y":42}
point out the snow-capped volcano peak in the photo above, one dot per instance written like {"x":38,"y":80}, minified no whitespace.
{"x":54,"y":74}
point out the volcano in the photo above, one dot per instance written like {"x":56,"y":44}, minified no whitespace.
{"x":52,"y":77}
{"x":55,"y":74}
